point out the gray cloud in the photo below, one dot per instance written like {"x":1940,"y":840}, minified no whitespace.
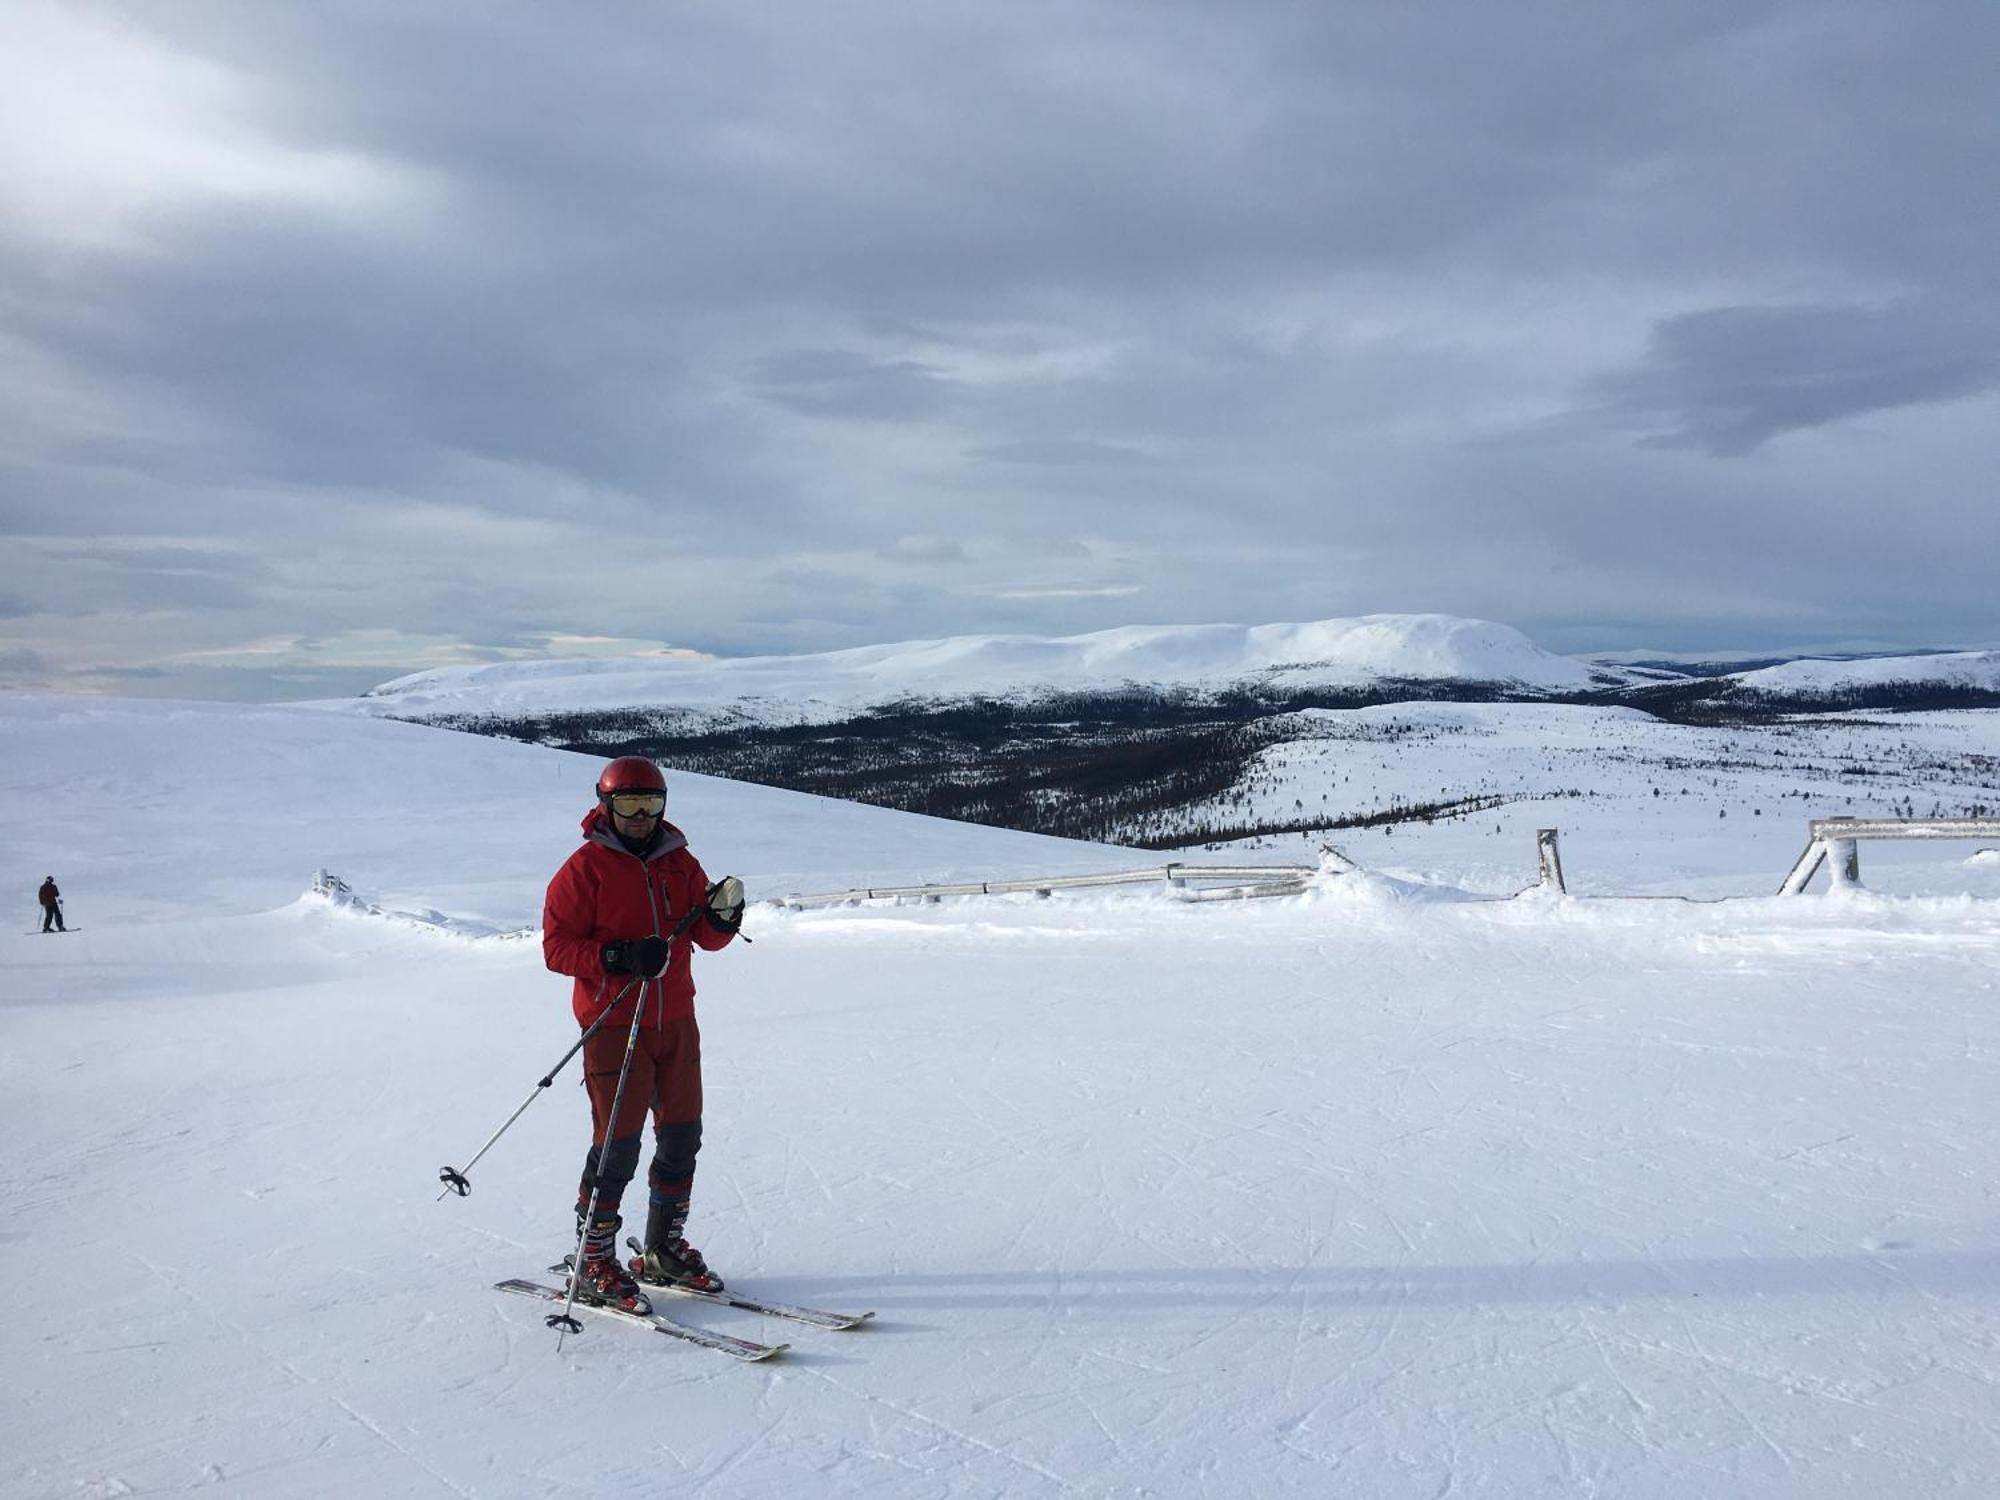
{"x":384,"y":329}
{"x":234,"y":684}
{"x":841,"y":383}
{"x":923,"y":550}
{"x":81,"y":579}
{"x":1059,"y":452}
{"x":22,"y":669}
{"x":1730,"y":379}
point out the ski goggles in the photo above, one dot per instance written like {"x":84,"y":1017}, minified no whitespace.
{"x":637,"y":804}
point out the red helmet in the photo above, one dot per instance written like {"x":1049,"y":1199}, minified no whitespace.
{"x":630,"y":773}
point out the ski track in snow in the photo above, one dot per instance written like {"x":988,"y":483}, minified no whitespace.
{"x":1362,"y":1192}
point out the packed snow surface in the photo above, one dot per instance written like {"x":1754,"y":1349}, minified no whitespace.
{"x":1386,"y":1190}
{"x":1320,"y":653}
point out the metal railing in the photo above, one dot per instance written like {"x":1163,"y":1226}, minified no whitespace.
{"x":1836,"y":843}
{"x":1189,"y":882}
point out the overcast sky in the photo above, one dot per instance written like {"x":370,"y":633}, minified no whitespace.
{"x":345,"y":339}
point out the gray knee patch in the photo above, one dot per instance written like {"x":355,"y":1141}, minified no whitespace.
{"x":673,"y":1156}
{"x":617,"y":1161}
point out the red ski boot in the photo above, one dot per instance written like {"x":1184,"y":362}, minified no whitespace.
{"x":603,"y":1280}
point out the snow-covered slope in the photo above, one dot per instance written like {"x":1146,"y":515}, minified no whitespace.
{"x":1813,"y":678}
{"x":232,"y":809}
{"x":1324,"y":653}
{"x":1225,"y":764}
{"x":1378,"y":1191}
{"x":1644,"y":806}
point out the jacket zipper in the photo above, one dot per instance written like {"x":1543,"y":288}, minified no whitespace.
{"x":653,"y":906}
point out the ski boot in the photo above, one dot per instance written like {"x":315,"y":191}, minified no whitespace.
{"x":667,"y":1258}
{"x":603,"y":1280}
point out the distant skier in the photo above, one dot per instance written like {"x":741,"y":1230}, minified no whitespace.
{"x":608,"y":920}
{"x":51,"y":906}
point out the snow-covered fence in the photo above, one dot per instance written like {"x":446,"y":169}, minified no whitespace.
{"x":1836,"y":843}
{"x":1188,"y":882}
{"x":338,"y":894}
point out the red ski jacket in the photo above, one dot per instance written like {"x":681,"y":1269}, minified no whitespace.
{"x":604,"y":893}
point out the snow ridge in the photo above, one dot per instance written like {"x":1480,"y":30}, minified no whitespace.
{"x":1320,"y":653}
{"x":328,"y":889}
{"x":1968,"y":669}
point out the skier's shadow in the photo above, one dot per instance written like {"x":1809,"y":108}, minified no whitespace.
{"x":1940,"y":1273}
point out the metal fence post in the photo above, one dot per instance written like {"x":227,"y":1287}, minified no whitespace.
{"x":1844,"y":857}
{"x":1551,"y":860}
{"x":1803,"y":872}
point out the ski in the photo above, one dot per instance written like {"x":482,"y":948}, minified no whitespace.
{"x":813,"y":1316}
{"x":816,"y":1317}
{"x":723,"y":1343}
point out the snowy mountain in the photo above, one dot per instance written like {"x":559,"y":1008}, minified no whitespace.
{"x":1168,"y":738}
{"x":1199,"y":736}
{"x":1819,"y":678}
{"x":1396,"y":1188}
{"x":1200,"y":659}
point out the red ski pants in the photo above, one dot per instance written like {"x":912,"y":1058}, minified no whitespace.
{"x":664,"y":1080}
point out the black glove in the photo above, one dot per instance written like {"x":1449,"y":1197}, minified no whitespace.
{"x":725,"y":903}
{"x":645,"y":957}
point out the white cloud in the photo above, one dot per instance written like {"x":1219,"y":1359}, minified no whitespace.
{"x":109,"y":124}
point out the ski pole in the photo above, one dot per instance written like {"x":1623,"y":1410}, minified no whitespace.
{"x":566,"y":1320}
{"x":455,"y":1179}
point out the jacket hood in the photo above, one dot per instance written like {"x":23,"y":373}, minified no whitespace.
{"x":597,"y":829}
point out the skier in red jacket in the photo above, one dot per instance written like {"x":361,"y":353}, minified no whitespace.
{"x":608,"y":922}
